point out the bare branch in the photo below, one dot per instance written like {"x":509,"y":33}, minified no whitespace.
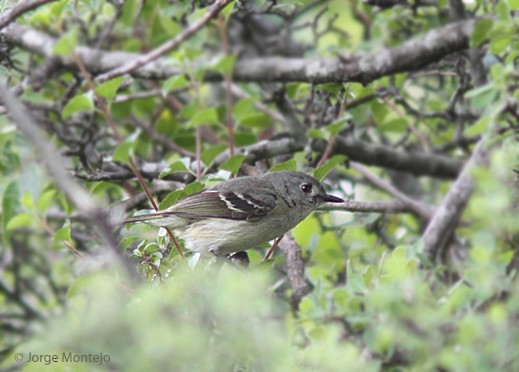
{"x":423,"y":210}
{"x":20,"y":9}
{"x":263,"y":150}
{"x":96,"y":60}
{"x":416,"y":163}
{"x":55,"y":165}
{"x":350,"y":205}
{"x":295,"y":266}
{"x":447,"y":216}
{"x":410,"y":56}
{"x":128,"y":67}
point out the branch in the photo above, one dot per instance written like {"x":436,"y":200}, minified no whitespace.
{"x":447,"y":216}
{"x":96,"y":60}
{"x":263,"y":150}
{"x":411,"y":55}
{"x":423,"y":210}
{"x":130,"y":66}
{"x":20,"y":9}
{"x":350,"y":205}
{"x":295,"y":267}
{"x":55,"y":165}
{"x":416,"y":163}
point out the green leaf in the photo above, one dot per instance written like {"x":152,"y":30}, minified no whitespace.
{"x":514,"y":4}
{"x":479,"y":127}
{"x":108,"y":89}
{"x":79,"y":103}
{"x":226,"y":12}
{"x":193,"y":188}
{"x":333,"y":88}
{"x":481,"y":32}
{"x":207,"y":116}
{"x":224,"y":64}
{"x":170,"y":199}
{"x":287,"y":165}
{"x":331,"y":163}
{"x":126,"y":242}
{"x":245,"y":138}
{"x":335,"y":127}
{"x":123,"y":152}
{"x":130,"y":12}
{"x":355,"y":283}
{"x":20,"y":220}
{"x":233,"y":164}
{"x":10,"y":203}
{"x":318,"y":134}
{"x":45,"y":200}
{"x":174,"y":82}
{"x":174,"y":196}
{"x":208,"y":155}
{"x":397,"y":125}
{"x":499,"y":44}
{"x":62,"y":235}
{"x":178,"y":166}
{"x":261,"y":121}
{"x":243,"y":108}
{"x":66,"y":43}
{"x":27,"y":201}
{"x":482,"y":97}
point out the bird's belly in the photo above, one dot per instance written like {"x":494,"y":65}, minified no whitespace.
{"x":228,"y":236}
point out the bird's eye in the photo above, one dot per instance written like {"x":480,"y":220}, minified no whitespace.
{"x":306,"y":187}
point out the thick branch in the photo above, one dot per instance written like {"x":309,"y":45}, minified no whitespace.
{"x":416,"y":163}
{"x":263,"y":150}
{"x":96,"y":61}
{"x":448,"y":214}
{"x":411,"y":55}
{"x":56,"y":168}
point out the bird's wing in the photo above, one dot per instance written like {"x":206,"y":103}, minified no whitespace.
{"x":222,"y":203}
{"x":254,"y":201}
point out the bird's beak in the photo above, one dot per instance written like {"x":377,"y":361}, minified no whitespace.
{"x":332,"y":199}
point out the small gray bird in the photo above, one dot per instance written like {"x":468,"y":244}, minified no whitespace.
{"x":241,"y":213}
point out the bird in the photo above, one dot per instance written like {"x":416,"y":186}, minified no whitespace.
{"x":241,"y":213}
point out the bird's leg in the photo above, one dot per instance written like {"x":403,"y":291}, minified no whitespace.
{"x":272,"y":248}
{"x":240,"y":259}
{"x":237,"y":259}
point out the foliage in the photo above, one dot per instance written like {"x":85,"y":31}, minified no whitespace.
{"x":376,"y":301}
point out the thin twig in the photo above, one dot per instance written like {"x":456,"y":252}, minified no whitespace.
{"x":423,"y":210}
{"x":239,"y":92}
{"x":153,"y":135}
{"x":199,"y":153}
{"x":20,"y":9}
{"x":111,"y":123}
{"x":222,"y":25}
{"x":217,"y":6}
{"x":272,"y":248}
{"x":350,"y":205}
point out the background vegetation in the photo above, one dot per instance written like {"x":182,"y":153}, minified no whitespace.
{"x":407,"y":108}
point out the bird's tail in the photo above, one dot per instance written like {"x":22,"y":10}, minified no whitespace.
{"x":161,"y":218}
